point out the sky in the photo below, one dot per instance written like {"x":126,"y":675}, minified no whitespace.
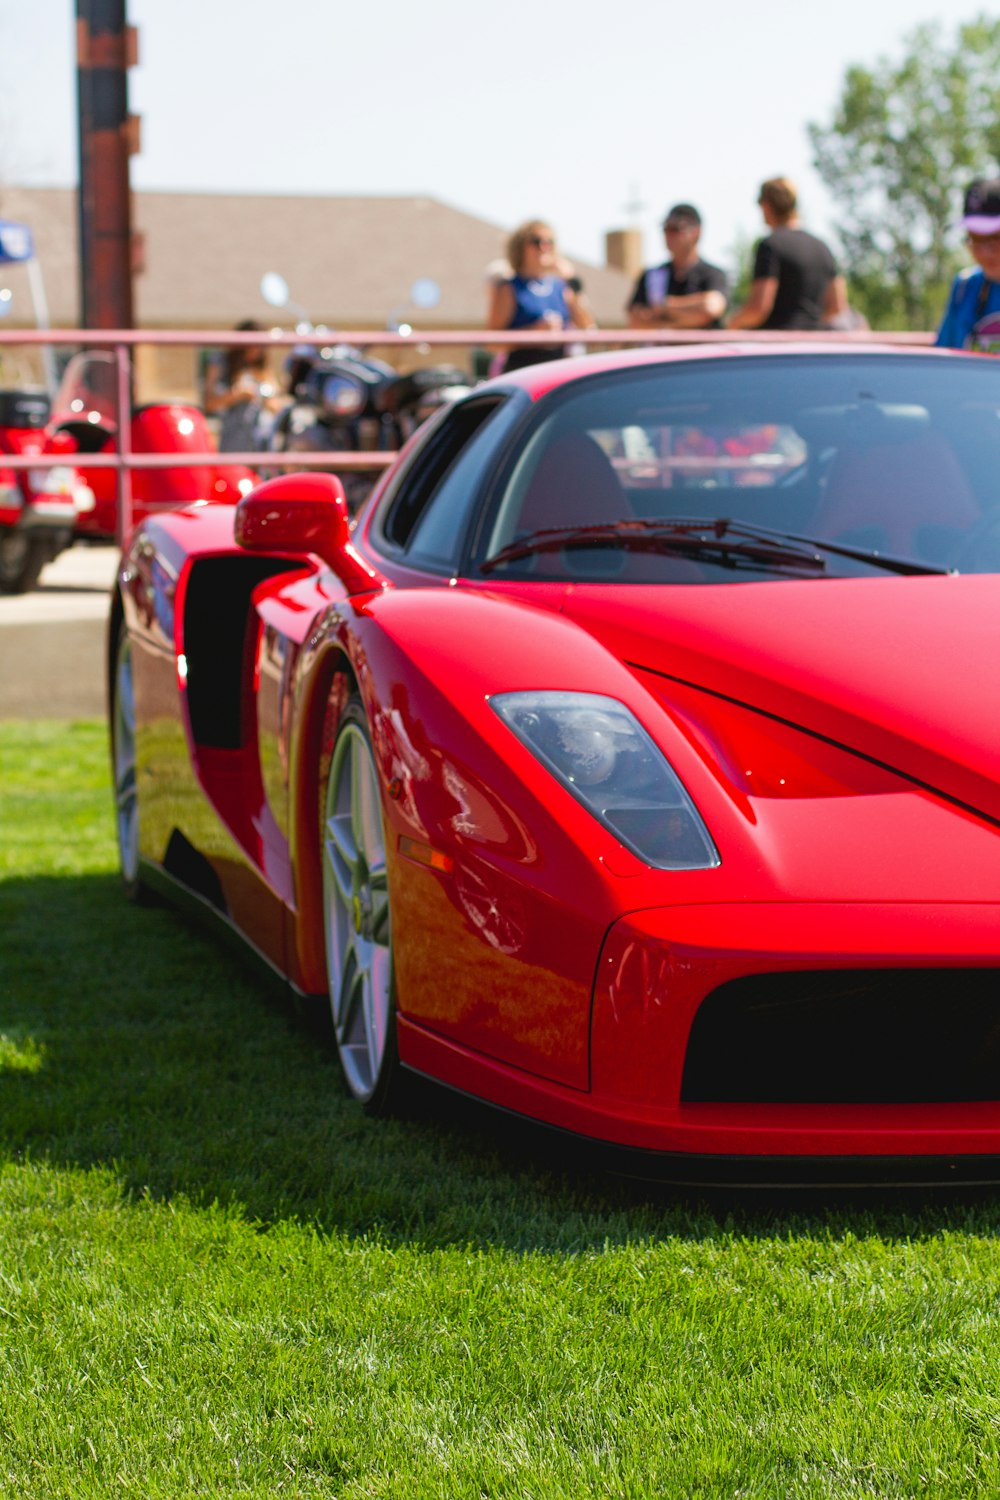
{"x":592,"y":115}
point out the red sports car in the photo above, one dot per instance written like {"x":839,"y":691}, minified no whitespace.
{"x":633,"y":764}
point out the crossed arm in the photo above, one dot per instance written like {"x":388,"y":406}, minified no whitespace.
{"x":696,"y":311}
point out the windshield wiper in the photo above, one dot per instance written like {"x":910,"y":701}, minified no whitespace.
{"x":877,"y":559}
{"x":725,"y":541}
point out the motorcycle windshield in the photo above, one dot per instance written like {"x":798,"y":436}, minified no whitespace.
{"x":88,"y":391}
{"x":86,"y":405}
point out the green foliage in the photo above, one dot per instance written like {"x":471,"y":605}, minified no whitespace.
{"x":218,"y":1277}
{"x":905,"y":141}
{"x":740,"y":258}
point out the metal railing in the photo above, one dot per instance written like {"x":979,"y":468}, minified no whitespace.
{"x":122,"y":341}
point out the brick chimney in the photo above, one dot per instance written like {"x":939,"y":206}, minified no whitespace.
{"x":623,"y":250}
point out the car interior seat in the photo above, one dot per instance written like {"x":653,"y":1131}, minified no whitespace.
{"x":574,"y":484}
{"x":907,"y":499}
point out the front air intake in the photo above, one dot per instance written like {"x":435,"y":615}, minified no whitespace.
{"x":863,"y":1036}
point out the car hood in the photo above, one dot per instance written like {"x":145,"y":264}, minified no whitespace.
{"x":903,"y":670}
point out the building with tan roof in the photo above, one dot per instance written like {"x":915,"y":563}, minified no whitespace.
{"x":349,"y":262}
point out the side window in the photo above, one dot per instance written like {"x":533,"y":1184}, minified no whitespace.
{"x":437,"y":538}
{"x":429,"y":514}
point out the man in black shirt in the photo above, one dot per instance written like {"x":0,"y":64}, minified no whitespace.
{"x":796,"y":283}
{"x":685,"y":292}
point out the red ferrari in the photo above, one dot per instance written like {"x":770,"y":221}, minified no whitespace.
{"x":633,"y":764}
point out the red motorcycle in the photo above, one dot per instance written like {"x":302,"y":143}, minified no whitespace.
{"x":39,"y":508}
{"x":85,"y":413}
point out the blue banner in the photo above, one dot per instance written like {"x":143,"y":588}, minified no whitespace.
{"x":16,"y":242}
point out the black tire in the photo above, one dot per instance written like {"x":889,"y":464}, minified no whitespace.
{"x":22,"y":558}
{"x":357,"y":922}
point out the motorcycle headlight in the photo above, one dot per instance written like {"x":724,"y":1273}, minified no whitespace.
{"x":603,"y":756}
{"x":341,"y":397}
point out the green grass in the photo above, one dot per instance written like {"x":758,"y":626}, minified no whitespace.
{"x":218,"y":1278}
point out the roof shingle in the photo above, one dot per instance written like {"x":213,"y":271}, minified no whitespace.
{"x":349,"y":261}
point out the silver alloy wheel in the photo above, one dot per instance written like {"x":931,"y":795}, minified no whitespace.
{"x":123,"y":752}
{"x":356,"y":910}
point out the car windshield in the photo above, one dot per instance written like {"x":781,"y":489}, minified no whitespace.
{"x":729,"y":469}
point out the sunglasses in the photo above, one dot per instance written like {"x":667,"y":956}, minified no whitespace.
{"x":677,"y":226}
{"x":982,"y":241}
{"x":540,"y":242}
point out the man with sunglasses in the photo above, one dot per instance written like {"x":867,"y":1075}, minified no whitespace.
{"x":972,"y":318}
{"x":686,"y":291}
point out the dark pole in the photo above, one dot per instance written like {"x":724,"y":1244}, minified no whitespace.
{"x":105,"y":46}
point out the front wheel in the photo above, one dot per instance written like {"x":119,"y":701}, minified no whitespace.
{"x":357,"y":922}
{"x":22,"y":558}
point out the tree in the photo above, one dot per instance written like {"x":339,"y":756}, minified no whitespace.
{"x":740,"y":257}
{"x":905,"y":141}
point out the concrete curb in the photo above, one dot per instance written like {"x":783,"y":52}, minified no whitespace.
{"x":53,"y":641}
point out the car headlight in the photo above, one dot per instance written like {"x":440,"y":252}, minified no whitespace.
{"x":603,"y":756}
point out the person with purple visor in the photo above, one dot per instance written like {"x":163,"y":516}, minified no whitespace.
{"x":972,"y":317}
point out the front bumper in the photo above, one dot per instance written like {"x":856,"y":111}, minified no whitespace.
{"x":658,"y":969}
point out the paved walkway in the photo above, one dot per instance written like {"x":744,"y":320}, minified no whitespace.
{"x":52,"y":641}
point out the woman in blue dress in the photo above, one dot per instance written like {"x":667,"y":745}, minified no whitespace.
{"x":537,"y":295}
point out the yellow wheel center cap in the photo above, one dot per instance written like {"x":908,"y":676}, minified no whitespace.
{"x":357,"y":914}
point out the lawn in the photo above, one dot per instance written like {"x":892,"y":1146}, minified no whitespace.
{"x":217,"y":1277}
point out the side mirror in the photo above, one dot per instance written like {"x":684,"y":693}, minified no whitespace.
{"x":305,"y":514}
